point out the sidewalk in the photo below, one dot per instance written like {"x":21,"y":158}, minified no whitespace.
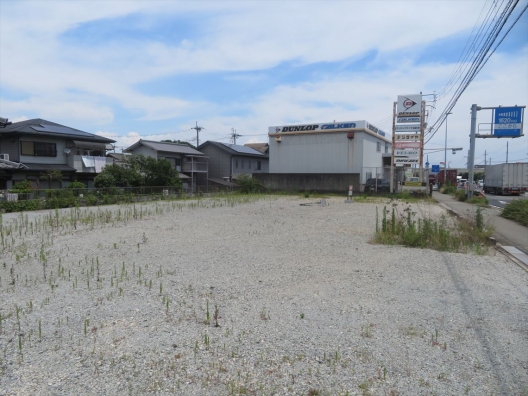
{"x":507,"y":232}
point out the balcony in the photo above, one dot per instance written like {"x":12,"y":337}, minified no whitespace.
{"x":194,"y":166}
{"x":80,"y":165}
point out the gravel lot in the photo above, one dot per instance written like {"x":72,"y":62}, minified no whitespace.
{"x":122,"y":301}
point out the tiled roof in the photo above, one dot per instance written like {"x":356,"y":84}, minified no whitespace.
{"x":236,"y":149}
{"x":166,"y":147}
{"x":38,"y":126}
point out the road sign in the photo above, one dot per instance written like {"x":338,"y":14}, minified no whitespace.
{"x":406,"y":144}
{"x":411,"y":137}
{"x":406,"y":161}
{"x":507,"y":121}
{"x":435,"y":168}
{"x":408,"y":128}
{"x":407,"y":153}
{"x":427,"y":164}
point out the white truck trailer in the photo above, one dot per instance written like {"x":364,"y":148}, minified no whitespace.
{"x":506,"y":179}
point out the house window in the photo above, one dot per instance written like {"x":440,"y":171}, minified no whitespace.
{"x":40,"y":149}
{"x":378,"y":147}
{"x":249,"y":163}
{"x":386,"y":148}
{"x":236,"y":162}
{"x":242,"y":161}
{"x":259,"y":165}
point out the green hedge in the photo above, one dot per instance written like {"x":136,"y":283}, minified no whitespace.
{"x":22,"y":206}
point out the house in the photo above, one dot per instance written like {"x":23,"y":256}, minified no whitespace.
{"x":189,"y":162}
{"x":327,"y":156}
{"x":227,"y":161}
{"x":34,"y":147}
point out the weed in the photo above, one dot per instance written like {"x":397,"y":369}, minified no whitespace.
{"x":264,"y":315}
{"x":216,"y":316}
{"x":302,"y":315}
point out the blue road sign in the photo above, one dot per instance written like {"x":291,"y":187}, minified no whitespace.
{"x":507,"y":121}
{"x":427,"y":163}
{"x":435,"y":168}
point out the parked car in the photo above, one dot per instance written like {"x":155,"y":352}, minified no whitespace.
{"x":377,"y":185}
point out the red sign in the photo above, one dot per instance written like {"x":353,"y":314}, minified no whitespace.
{"x":404,"y":145}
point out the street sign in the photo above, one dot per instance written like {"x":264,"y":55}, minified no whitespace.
{"x":406,"y":161}
{"x":427,"y":164}
{"x":507,"y":121}
{"x":408,"y":128}
{"x":435,"y":168}
{"x":407,"y":153}
{"x":412,"y":137}
{"x":406,"y":144}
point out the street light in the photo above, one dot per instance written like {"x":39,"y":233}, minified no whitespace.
{"x":445,"y":153}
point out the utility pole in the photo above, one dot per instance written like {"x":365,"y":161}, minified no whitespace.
{"x":471,"y":159}
{"x":490,"y":160}
{"x":507,"y":152}
{"x":234,"y":135}
{"x":198,"y":129}
{"x":445,"y":152}
{"x":485,"y":161}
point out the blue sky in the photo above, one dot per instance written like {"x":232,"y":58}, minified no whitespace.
{"x":132,"y":69}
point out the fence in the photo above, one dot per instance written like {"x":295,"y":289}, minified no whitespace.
{"x":377,"y":179}
{"x":71,"y":197}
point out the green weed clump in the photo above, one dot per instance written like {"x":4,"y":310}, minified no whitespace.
{"x":404,"y":229}
{"x":517,"y":210}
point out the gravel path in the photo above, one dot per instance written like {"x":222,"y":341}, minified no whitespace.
{"x":122,"y":301}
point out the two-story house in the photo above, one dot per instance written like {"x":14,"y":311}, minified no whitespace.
{"x":189,"y":162}
{"x":39,"y":146}
{"x":227,"y":161}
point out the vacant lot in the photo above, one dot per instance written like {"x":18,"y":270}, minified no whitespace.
{"x":251,"y":296}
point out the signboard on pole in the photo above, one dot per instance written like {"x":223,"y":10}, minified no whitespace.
{"x":405,"y":144}
{"x":408,"y":128}
{"x":407,"y":153}
{"x":409,"y":105}
{"x":408,"y":119}
{"x":412,"y":137}
{"x":406,"y":161}
{"x":435,"y":168}
{"x":508,"y":121}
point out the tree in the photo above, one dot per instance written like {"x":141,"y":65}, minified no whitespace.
{"x":139,"y":171}
{"x":51,"y":175}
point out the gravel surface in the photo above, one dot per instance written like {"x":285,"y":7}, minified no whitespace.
{"x":122,"y":300}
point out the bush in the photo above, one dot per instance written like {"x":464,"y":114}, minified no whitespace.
{"x":460,"y":195}
{"x":22,"y":187}
{"x":249,"y":185}
{"x":22,"y":206}
{"x":76,"y":185}
{"x":517,"y":210}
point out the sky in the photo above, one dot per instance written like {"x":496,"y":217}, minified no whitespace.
{"x":155,"y":69}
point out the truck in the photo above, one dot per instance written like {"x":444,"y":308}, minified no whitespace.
{"x":450,"y":176}
{"x":509,"y":179}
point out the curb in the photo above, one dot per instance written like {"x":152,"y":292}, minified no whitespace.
{"x":511,"y":257}
{"x":450,"y":210}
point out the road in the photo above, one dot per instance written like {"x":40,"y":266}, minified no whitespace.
{"x":501,"y":201}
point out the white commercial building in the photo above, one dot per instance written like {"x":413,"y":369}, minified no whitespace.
{"x":345,"y":147}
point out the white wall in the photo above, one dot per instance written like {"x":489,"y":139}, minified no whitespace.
{"x":146,"y":151}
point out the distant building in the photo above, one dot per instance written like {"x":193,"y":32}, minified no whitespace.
{"x":227,"y":161}
{"x":327,"y":156}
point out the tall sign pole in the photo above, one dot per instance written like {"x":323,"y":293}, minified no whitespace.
{"x":393,"y":136}
{"x":471,"y":159}
{"x":422,"y":131}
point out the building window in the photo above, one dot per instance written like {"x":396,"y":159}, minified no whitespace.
{"x":242,"y":162}
{"x":259,"y":165}
{"x":236,"y":162}
{"x":39,"y":149}
{"x":386,"y":148}
{"x":249,"y":164}
{"x":378,"y":147}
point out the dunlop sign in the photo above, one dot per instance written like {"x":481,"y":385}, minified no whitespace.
{"x":414,"y":136}
{"x":406,"y":161}
{"x":407,"y":153}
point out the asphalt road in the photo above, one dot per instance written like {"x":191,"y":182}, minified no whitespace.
{"x":501,"y":201}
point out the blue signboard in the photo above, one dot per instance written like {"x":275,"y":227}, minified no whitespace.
{"x":435,"y":168}
{"x":507,"y":121}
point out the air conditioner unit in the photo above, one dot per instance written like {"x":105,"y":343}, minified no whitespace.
{"x":4,"y":157}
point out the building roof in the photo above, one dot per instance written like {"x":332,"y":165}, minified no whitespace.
{"x":262,"y":147}
{"x":38,"y":126}
{"x":236,"y":149}
{"x":165,"y":147}
{"x":47,"y":167}
{"x":6,"y":164}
